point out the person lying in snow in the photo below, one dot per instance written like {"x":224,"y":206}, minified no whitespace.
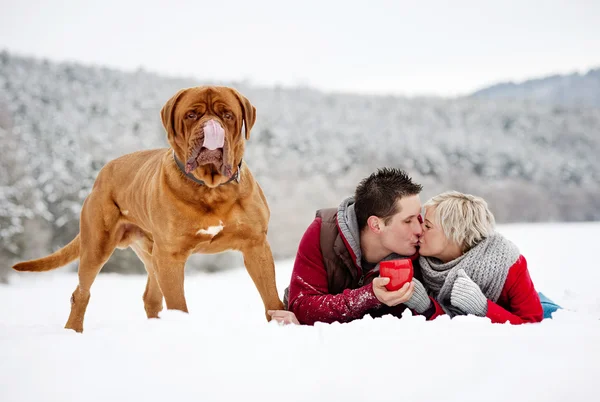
{"x":336,"y":271}
{"x":469,"y":268}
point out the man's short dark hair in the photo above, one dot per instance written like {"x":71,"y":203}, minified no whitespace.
{"x":379,"y":193}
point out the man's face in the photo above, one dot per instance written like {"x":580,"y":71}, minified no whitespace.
{"x":401,"y":234}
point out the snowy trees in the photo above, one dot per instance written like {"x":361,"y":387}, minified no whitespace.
{"x":60,"y":123}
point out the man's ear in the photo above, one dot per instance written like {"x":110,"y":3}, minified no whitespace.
{"x":375,"y":224}
{"x":248,"y":110}
{"x":168,"y":114}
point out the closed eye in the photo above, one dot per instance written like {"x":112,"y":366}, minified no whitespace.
{"x":411,"y":219}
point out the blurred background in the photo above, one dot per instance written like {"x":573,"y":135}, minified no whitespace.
{"x":500,"y":100}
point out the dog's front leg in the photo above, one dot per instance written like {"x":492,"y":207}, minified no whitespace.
{"x":259,"y":264}
{"x":169,"y":268}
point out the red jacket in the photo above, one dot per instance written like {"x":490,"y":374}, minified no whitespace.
{"x":309,"y":297}
{"x":518,"y":303}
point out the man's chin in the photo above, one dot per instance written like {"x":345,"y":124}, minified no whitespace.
{"x":407,"y":251}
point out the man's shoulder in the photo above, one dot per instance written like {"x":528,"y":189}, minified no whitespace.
{"x":327,"y":215}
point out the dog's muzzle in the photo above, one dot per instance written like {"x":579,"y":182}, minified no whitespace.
{"x":214,"y":135}
{"x":210,"y":150}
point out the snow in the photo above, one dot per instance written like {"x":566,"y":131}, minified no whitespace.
{"x":224,"y":350}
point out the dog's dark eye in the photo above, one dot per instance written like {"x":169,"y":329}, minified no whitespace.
{"x":191,"y":116}
{"x":227,"y":116}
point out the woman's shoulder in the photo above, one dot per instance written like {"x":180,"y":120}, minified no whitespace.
{"x":517,"y":272}
{"x":521,"y":263}
{"x":519,"y":266}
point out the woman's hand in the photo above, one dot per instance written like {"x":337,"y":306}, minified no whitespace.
{"x":419,"y":302}
{"x":467,"y":296}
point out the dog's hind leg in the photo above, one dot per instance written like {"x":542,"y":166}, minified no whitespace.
{"x":153,"y":297}
{"x":99,"y":237}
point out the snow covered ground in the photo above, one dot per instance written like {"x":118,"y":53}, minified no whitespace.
{"x":224,"y":350}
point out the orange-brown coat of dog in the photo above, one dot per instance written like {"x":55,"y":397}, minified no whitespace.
{"x":143,"y":200}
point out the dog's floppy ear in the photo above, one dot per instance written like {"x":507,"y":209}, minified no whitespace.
{"x":248,"y":110}
{"x":168,"y":113}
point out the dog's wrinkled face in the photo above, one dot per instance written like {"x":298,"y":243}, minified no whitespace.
{"x":204,"y":127}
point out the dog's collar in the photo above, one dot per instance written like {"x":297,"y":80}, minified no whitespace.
{"x":235,"y":176}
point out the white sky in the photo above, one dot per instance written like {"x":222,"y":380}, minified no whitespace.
{"x":397,"y":47}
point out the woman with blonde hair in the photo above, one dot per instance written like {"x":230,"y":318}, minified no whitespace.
{"x":468,"y":268}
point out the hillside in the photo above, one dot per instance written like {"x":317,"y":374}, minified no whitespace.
{"x":570,"y":90}
{"x":60,"y":122}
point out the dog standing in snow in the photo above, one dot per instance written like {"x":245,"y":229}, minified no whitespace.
{"x":198,"y":196}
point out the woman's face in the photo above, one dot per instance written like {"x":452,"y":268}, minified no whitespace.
{"x":434,"y":243}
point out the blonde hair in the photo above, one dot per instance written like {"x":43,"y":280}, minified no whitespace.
{"x":464,"y":218}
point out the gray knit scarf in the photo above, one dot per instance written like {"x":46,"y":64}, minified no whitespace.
{"x":487,"y":264}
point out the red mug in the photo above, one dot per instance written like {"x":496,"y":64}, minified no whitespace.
{"x":399,"y":272}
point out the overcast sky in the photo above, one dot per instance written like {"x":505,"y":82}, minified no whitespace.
{"x":395,"y":47}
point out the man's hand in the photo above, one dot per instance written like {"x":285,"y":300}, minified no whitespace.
{"x":283,"y":317}
{"x":394,"y":298}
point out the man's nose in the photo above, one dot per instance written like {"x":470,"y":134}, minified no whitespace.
{"x":418,"y":230}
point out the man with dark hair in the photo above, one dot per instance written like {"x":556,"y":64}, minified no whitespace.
{"x":336,"y":271}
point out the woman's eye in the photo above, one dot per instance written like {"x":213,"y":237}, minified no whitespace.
{"x":192,"y":116}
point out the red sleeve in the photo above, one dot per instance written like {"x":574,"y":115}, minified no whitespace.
{"x":435,"y":311}
{"x":519,"y":296}
{"x":309,"y":299}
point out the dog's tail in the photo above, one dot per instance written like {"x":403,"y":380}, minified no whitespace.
{"x":61,"y":257}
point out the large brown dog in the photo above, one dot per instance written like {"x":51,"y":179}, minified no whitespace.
{"x":196,"y":197}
